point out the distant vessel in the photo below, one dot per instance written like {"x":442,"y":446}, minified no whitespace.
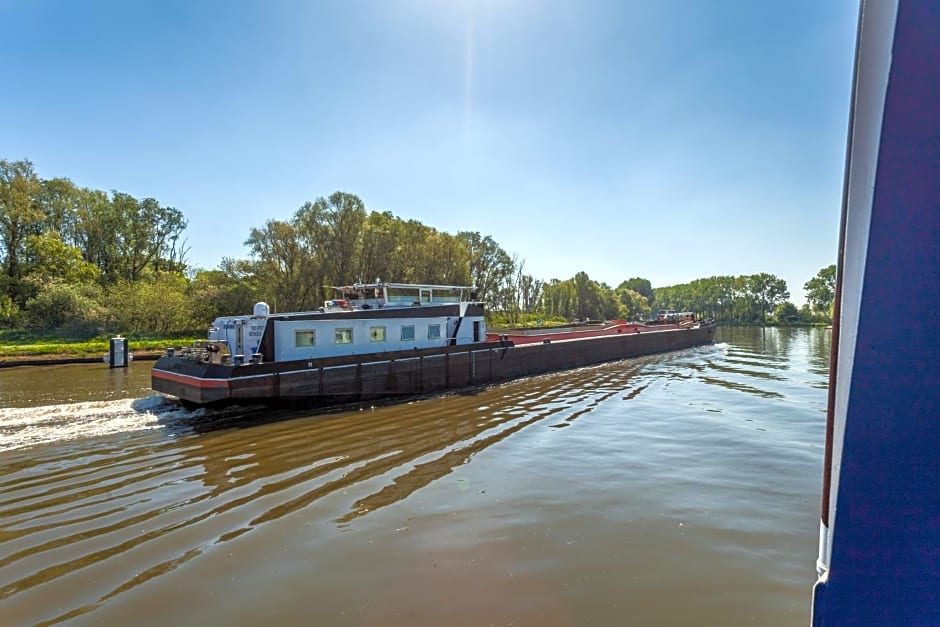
{"x":376,"y":340}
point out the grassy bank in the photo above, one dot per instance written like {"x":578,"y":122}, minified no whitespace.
{"x":20,"y":346}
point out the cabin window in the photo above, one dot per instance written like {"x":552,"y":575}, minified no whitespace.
{"x":408,"y":333}
{"x":305,"y":338}
{"x":376,"y":334}
{"x":344,"y":336}
{"x":401,"y":296}
{"x":434,"y":331}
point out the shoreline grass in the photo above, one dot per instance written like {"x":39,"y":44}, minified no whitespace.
{"x":24,"y":345}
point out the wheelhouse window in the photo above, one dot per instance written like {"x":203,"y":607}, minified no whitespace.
{"x":408,"y":333}
{"x":305,"y":338}
{"x":376,"y":334}
{"x":344,"y":336}
{"x":434,"y":331}
{"x":401,"y":296}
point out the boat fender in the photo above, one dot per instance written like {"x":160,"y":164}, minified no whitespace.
{"x":366,"y":306}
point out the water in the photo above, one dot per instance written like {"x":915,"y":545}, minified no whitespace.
{"x":675,"y":489}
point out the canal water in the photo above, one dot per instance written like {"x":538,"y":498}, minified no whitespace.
{"x":675,"y":489}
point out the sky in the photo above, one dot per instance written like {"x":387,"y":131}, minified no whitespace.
{"x":670,"y":140}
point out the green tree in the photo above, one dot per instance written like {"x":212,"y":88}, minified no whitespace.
{"x":641,"y":286}
{"x":491,"y":267}
{"x":48,"y":258}
{"x":96,"y":224}
{"x":821,"y":289}
{"x":20,"y":217}
{"x":148,"y":236}
{"x":57,"y":199}
{"x":530,"y":291}
{"x":768,"y":291}
{"x":380,"y":240}
{"x":10,"y":314}
{"x":72,"y":310}
{"x":787,"y":313}
{"x":745,"y":298}
{"x":634,"y":304}
{"x":341,"y":219}
{"x":335,"y":242}
{"x":284,"y":265}
{"x":155,"y":304}
{"x":581,"y":298}
{"x":230,"y":290}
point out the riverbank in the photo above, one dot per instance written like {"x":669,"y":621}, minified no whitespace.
{"x":21,"y":349}
{"x":58,"y":359}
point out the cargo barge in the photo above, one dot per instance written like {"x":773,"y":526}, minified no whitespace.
{"x":381,"y":340}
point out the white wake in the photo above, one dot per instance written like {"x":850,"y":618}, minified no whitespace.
{"x":30,"y":426}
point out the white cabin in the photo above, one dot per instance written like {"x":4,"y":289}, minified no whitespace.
{"x":361,"y":319}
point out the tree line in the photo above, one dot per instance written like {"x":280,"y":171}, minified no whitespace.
{"x":81,"y":262}
{"x":754,"y":298}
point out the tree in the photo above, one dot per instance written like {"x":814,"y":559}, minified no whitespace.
{"x":48,"y":258}
{"x":57,"y":199}
{"x":10,"y":314}
{"x":446,"y":260}
{"x":634,"y":304}
{"x":745,"y":298}
{"x":491,"y":267}
{"x":157,"y":304}
{"x":641,"y":286}
{"x":281,"y":262}
{"x":341,"y":218}
{"x":148,"y":235}
{"x":70,"y":309}
{"x":530,"y":291}
{"x":230,"y":290}
{"x":380,"y":240}
{"x":20,"y":217}
{"x":787,"y":313}
{"x":821,"y":289}
{"x":581,"y":298}
{"x":769,"y":291}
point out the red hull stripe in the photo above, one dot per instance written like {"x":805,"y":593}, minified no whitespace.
{"x":186,"y":379}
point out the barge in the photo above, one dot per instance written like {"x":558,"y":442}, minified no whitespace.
{"x":382,"y":340}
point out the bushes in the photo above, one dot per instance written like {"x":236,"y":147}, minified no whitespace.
{"x":73,"y":310}
{"x":158,"y":304}
{"x":498,"y":320}
{"x":10,"y":314}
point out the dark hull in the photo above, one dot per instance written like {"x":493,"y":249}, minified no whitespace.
{"x":403,"y":373}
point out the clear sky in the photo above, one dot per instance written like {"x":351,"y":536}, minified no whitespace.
{"x":668,"y":139}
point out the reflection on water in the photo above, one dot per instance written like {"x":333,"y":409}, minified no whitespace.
{"x":32,"y":386}
{"x":665,"y":474}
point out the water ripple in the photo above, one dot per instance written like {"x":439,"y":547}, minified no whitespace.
{"x":98,"y":500}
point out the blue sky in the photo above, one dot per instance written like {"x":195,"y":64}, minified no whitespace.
{"x":671,"y":140}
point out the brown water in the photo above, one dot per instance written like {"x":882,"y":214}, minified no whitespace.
{"x":672,"y":490}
